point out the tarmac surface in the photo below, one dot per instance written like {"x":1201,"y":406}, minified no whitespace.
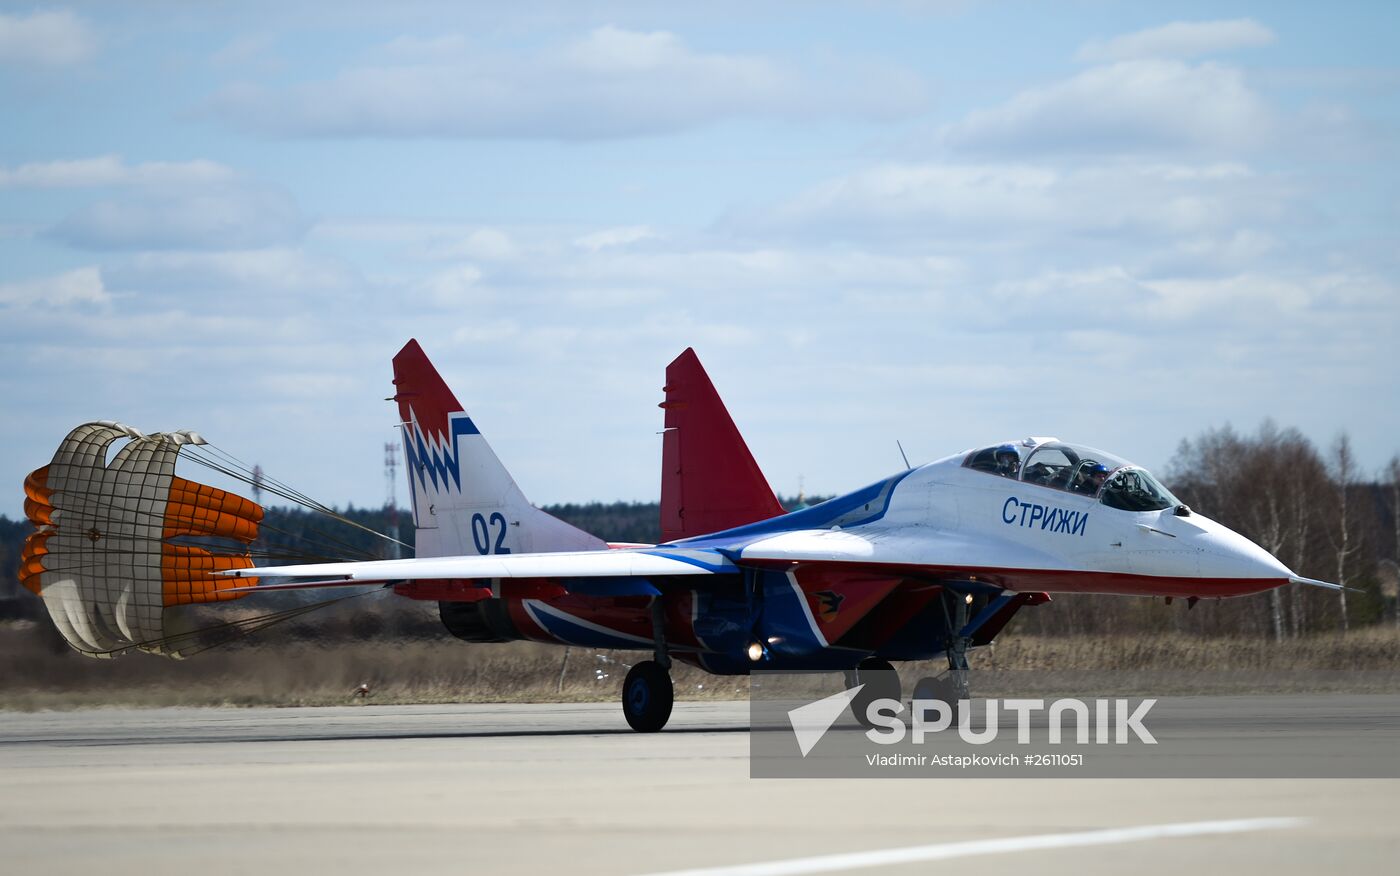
{"x":568,"y":788}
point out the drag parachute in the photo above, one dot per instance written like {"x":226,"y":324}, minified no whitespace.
{"x":119,"y":543}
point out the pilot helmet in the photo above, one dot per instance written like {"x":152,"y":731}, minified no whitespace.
{"x":1007,"y":450}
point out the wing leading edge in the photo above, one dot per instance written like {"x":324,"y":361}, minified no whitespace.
{"x":658,"y":562}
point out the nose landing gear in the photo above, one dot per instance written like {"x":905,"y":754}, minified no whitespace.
{"x":952,"y":687}
{"x":881,"y":683}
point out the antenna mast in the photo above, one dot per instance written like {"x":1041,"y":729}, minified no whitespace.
{"x":391,"y":502}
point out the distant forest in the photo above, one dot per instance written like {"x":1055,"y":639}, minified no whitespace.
{"x":1312,"y":508}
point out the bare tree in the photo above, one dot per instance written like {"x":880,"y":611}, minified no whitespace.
{"x":1343,"y":465}
{"x":1268,"y":487}
{"x":1393,"y":474}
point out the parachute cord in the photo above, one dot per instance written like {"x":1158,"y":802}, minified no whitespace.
{"x":324,"y":540}
{"x":219,"y":460}
{"x":234,"y":468}
{"x":276,"y":619}
{"x":241,"y":466}
{"x":241,"y":628}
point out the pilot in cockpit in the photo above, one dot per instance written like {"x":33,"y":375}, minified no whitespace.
{"x":1090,"y":479}
{"x":1008,"y":461}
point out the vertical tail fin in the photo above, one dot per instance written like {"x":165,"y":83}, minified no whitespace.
{"x":709,"y":480}
{"x":464,"y":500}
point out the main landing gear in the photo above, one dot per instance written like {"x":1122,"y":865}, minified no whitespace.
{"x":647,"y":695}
{"x":647,"y":692}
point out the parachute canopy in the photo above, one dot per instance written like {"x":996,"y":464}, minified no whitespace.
{"x":117,"y":544}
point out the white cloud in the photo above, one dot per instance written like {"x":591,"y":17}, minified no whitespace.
{"x":79,"y":287}
{"x":190,"y":275}
{"x":1126,"y":107}
{"x":608,"y":83}
{"x":310,"y":388}
{"x":240,"y":216}
{"x":249,"y":51}
{"x":1226,"y":298}
{"x":1180,"y":39}
{"x":1083,"y":296}
{"x":445,"y":47}
{"x":614,"y":237}
{"x":47,"y":39}
{"x":612,"y":50}
{"x":1214,"y":254}
{"x":1018,"y":204}
{"x":1255,"y":303}
{"x":420,"y":240}
{"x":111,"y":170}
{"x":455,"y":287}
{"x":485,"y":244}
{"x":493,"y":331}
{"x":900,"y":193}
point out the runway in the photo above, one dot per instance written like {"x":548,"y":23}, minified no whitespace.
{"x":567,"y":788}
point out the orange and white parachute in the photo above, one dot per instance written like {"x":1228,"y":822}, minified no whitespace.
{"x":111,"y":549}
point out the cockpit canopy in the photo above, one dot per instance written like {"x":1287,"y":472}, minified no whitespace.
{"x":1074,"y":468}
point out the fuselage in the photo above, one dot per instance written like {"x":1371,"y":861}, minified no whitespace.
{"x":871,"y":572}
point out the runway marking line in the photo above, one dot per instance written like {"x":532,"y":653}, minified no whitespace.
{"x":999,"y":846}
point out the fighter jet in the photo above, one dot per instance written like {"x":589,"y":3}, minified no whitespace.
{"x":930,"y":562}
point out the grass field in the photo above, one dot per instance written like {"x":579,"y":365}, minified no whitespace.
{"x":36,"y":672}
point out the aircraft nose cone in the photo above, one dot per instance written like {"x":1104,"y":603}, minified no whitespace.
{"x":1231,"y":555}
{"x":1265,"y":564}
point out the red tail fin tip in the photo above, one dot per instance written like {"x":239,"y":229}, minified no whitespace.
{"x":709,"y":479}
{"x":417,"y":385}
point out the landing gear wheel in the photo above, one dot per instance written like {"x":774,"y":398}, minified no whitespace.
{"x":881,"y":682}
{"x":647,"y":696}
{"x":932,"y":688}
{"x":929,"y":689}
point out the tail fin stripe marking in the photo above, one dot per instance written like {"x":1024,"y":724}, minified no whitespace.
{"x":438,"y":464}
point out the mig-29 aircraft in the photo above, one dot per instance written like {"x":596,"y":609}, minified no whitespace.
{"x":933,"y":561}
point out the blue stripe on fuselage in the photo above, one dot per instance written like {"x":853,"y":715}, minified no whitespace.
{"x":573,"y":633}
{"x":817,"y":517}
{"x":720,"y":566}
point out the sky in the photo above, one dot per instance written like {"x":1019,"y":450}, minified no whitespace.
{"x":942,"y":223}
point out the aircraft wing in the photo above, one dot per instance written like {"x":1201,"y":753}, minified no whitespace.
{"x":892,"y":546}
{"x":895,"y":545}
{"x":629,"y":562}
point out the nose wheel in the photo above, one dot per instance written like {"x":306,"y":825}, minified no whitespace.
{"x":647,"y":696}
{"x":881,"y":683}
{"x":945,"y":690}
